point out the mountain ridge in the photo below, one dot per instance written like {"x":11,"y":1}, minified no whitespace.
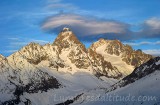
{"x":126,"y":57}
{"x":67,"y":52}
{"x":139,"y":88}
{"x":56,"y":68}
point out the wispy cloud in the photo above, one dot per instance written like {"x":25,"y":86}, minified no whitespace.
{"x":60,"y":6}
{"x":38,"y":41}
{"x":25,"y":41}
{"x":153,"y":23}
{"x":9,"y":51}
{"x":54,"y":1}
{"x":55,"y":5}
{"x":151,"y":28}
{"x":143,"y":43}
{"x":85,"y":26}
{"x":155,"y":52}
{"x":15,"y":44}
{"x":13,"y":38}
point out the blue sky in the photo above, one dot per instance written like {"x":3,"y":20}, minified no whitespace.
{"x":134,"y":22}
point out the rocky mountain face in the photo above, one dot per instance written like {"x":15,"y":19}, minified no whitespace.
{"x":18,"y":76}
{"x":103,"y":67}
{"x":71,"y":49}
{"x":29,"y":70}
{"x":68,"y":54}
{"x":114,"y":50}
{"x":143,"y":70}
{"x":139,"y":88}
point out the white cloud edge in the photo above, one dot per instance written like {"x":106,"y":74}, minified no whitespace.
{"x":92,"y":26}
{"x":155,"y":52}
{"x":16,"y":43}
{"x":143,"y":43}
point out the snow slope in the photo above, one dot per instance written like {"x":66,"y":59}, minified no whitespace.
{"x":123,"y":57}
{"x":73,"y":85}
{"x":42,"y":75}
{"x":141,"y":87}
{"x":22,"y":82}
{"x":142,"y":92}
{"x":124,"y":68}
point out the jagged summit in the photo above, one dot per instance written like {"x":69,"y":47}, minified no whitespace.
{"x":42,"y":70}
{"x":67,"y":39}
{"x":66,"y":29}
{"x":116,"y":48}
{"x":105,"y":57}
{"x":121,"y":56}
{"x":71,"y":50}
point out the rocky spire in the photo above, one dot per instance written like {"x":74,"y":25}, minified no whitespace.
{"x":74,"y":50}
{"x":67,"y":39}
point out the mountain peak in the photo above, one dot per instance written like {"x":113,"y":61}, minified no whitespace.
{"x":66,"y":29}
{"x":101,"y":40}
{"x":66,"y":39}
{"x":97,"y":44}
{"x":66,"y":32}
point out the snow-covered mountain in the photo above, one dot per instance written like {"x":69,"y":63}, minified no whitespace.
{"x":141,"y":87}
{"x":126,"y":58}
{"x":17,"y":76}
{"x":68,"y":54}
{"x":64,"y":68}
{"x":143,"y":70}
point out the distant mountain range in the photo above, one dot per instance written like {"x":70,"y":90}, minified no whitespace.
{"x":40,"y":75}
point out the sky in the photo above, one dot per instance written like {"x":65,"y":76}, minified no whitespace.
{"x":134,"y":22}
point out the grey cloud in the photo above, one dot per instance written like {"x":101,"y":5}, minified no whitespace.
{"x":155,"y":52}
{"x":60,"y":6}
{"x":91,"y":28}
{"x":16,"y":44}
{"x":143,"y":43}
{"x":87,"y":26}
{"x":151,"y":28}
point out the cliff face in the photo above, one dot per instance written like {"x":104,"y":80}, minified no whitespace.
{"x":121,"y":56}
{"x":108,"y":58}
{"x":36,"y":68}
{"x":71,"y":49}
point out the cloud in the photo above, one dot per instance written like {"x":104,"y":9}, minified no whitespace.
{"x":153,"y":23}
{"x":17,"y":43}
{"x":91,"y":28}
{"x":86,"y":26}
{"x":16,"y":39}
{"x":143,"y":43}
{"x":9,"y":51}
{"x":54,"y":1}
{"x":38,"y":41}
{"x":151,"y":28}
{"x":155,"y":52}
{"x":62,"y":6}
{"x":25,"y":42}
